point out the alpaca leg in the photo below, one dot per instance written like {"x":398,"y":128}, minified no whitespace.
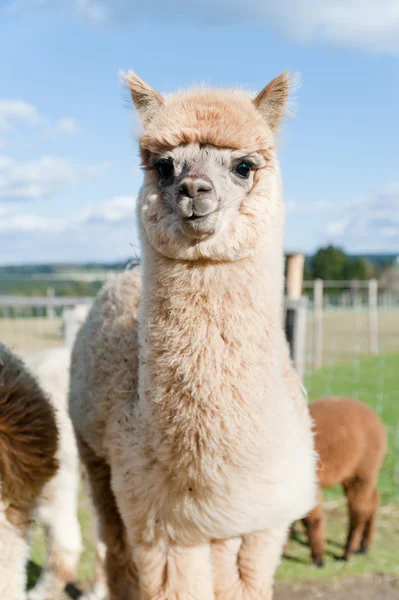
{"x":290,"y":535}
{"x":244,"y":567}
{"x":359,"y":495}
{"x":118,"y":566}
{"x":368,"y":532}
{"x":58,"y":511}
{"x":14,"y":552}
{"x":174,"y":572}
{"x":315,"y":530}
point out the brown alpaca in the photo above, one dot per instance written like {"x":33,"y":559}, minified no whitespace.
{"x":28,"y":443}
{"x":351,"y":443}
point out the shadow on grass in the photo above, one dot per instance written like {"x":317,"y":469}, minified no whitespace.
{"x":33,"y":573}
{"x":333,"y":543}
{"x":295,"y":559}
{"x":300,"y":539}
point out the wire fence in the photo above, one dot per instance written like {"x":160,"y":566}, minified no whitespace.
{"x":346,"y":343}
{"x":352,"y":349}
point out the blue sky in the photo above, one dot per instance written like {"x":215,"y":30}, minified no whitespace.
{"x":68,"y":161}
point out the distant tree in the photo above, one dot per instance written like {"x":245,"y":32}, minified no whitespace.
{"x":356,"y":268}
{"x":307,"y":271}
{"x":328,"y":263}
{"x":333,"y":263}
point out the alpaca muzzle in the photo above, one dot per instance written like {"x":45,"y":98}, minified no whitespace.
{"x":196,"y":205}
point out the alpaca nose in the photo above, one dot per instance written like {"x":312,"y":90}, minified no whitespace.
{"x":196,"y":198}
{"x":194,"y":187}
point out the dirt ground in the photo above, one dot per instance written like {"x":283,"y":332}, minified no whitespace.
{"x":375,"y":587}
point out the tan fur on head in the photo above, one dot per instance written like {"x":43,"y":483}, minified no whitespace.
{"x":223,"y":118}
{"x":28,"y":433}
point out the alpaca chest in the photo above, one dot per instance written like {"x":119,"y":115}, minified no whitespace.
{"x":189,"y":493}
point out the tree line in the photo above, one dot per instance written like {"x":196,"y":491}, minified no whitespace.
{"x":333,"y":263}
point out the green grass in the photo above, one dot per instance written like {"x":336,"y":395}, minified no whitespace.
{"x":376,"y":382}
{"x":381,"y":558}
{"x":373,"y":380}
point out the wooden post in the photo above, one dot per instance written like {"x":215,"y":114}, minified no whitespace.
{"x":318,"y":323}
{"x":50,"y":309}
{"x":300,"y":337}
{"x":295,"y":267}
{"x":70,"y":324}
{"x":373,"y":316}
{"x":295,"y":315}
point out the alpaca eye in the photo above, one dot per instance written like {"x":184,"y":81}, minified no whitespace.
{"x":165,"y":168}
{"x":243,"y":169}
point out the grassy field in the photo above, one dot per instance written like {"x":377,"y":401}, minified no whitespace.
{"x":375,"y":381}
{"x":31,"y":334}
{"x":345,"y":334}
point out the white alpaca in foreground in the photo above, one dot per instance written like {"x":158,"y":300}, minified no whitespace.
{"x":188,"y":413}
{"x":28,"y":446}
{"x":57,"y":507}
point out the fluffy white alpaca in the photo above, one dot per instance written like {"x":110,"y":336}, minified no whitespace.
{"x":189,"y":415}
{"x":28,"y":444}
{"x":58,"y":505}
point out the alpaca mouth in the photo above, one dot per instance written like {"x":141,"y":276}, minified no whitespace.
{"x":199,"y":226}
{"x":196,"y":217}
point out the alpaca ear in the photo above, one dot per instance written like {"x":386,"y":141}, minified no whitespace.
{"x":146,"y":100}
{"x":272,"y":100}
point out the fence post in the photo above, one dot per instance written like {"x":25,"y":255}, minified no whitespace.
{"x":299,"y":353}
{"x":71,"y":326}
{"x":373,"y":316}
{"x":50,"y":309}
{"x":295,"y":317}
{"x":295,"y":267}
{"x":318,"y":323}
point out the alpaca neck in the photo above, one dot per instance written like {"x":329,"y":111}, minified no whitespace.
{"x":206,"y":331}
{"x":192,"y":307}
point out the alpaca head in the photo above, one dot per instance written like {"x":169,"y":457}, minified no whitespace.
{"x":212,"y":186}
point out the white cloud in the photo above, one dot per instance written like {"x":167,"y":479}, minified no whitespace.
{"x":116,"y":211}
{"x":40,"y":178}
{"x":370,"y":221}
{"x":68,"y":126}
{"x":371,"y":25}
{"x":17,"y":112}
{"x":111,"y":211}
{"x":35,"y":179}
{"x":23,"y":223}
{"x":106,"y":231}
{"x":337,"y":228}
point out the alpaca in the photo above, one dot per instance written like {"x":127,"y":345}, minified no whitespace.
{"x":189,"y":416}
{"x":351,"y":443}
{"x":78,"y":314}
{"x":28,"y":446}
{"x":57,"y":508}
